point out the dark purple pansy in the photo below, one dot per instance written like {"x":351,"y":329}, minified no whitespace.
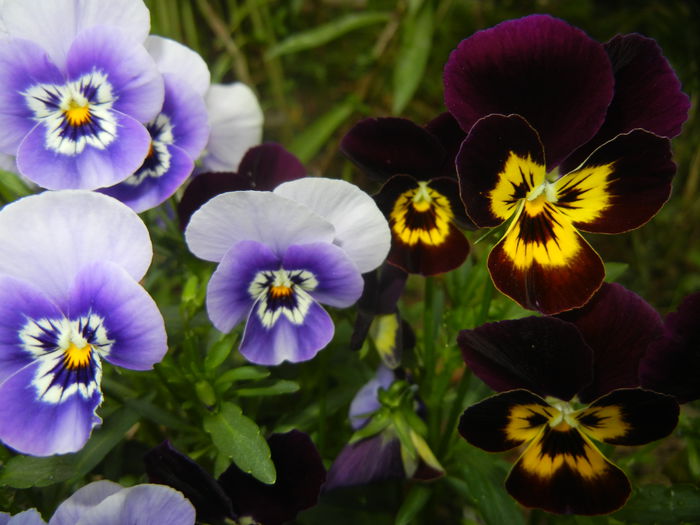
{"x":544,"y":369}
{"x":420,"y":195}
{"x":585,"y":148}
{"x":672,"y":363}
{"x":235,"y":495}
{"x":378,"y":315}
{"x":262,"y":168}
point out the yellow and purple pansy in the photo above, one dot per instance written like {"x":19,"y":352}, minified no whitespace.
{"x":564,"y":134}
{"x":564,"y":384}
{"x":420,"y":195}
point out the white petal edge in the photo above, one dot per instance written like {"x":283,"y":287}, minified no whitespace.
{"x":259,"y":216}
{"x":91,"y":495}
{"x":171,"y":57}
{"x":48,"y":238}
{"x":236,"y":120}
{"x":360,"y":227}
{"x":54,"y":24}
{"x":146,"y":504}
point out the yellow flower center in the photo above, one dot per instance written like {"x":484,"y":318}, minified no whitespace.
{"x":77,"y":115}
{"x":74,"y":357}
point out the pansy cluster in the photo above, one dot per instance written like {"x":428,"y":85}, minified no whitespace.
{"x":88,"y":100}
{"x":548,"y":133}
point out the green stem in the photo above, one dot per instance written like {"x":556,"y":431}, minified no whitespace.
{"x":455,"y":411}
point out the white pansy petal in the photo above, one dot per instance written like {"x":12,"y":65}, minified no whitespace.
{"x":236,"y":120}
{"x":47,"y":238}
{"x":145,"y":504}
{"x":91,"y":495}
{"x":257,"y":216}
{"x":360,"y":227}
{"x":54,"y":24}
{"x":174,"y":58}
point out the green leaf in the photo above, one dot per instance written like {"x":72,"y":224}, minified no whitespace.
{"x":12,"y":186}
{"x":239,"y":438}
{"x":414,"y":502}
{"x":310,"y":141}
{"x":243,"y":373}
{"x":325,"y":33}
{"x":481,"y":484}
{"x":283,"y":386}
{"x":27,"y":471}
{"x":659,"y":505}
{"x":218,"y":353}
{"x":412,"y":57}
{"x":613,"y":270}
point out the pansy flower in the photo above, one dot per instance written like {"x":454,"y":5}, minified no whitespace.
{"x":564,"y":385}
{"x":262,"y":168}
{"x":279,"y":258}
{"x":76,"y":83}
{"x":236,"y":120}
{"x":178,"y":133}
{"x":388,"y":442}
{"x":672,"y":362}
{"x":108,"y":503}
{"x":69,"y":300}
{"x":420,"y":195}
{"x":239,"y":496}
{"x":564,"y":134}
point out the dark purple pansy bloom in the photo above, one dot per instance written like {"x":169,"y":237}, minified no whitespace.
{"x":178,"y":133}
{"x":379,"y":453}
{"x":378,"y":315}
{"x":564,"y":134}
{"x":420,"y":195}
{"x":262,"y":168}
{"x":564,"y":384}
{"x":235,"y":495}
{"x":76,"y":84}
{"x":672,"y":363}
{"x":69,"y":299}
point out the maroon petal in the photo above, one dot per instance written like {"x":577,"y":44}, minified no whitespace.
{"x":620,"y":186}
{"x":263,"y":168}
{"x":300,"y":474}
{"x":619,"y":326}
{"x":539,"y":67}
{"x":544,"y":355}
{"x":630,"y":416}
{"x":205,"y":186}
{"x":447,"y":130}
{"x":505,"y":421}
{"x":500,"y":161}
{"x":166,"y":466}
{"x":647,"y":94}
{"x":672,"y":364}
{"x":383,"y":147}
{"x":269,"y":165}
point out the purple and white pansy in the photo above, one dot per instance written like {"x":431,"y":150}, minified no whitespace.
{"x":76,"y":84}
{"x":178,"y":133}
{"x":108,"y":503}
{"x":69,"y":299}
{"x":282,"y":253}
